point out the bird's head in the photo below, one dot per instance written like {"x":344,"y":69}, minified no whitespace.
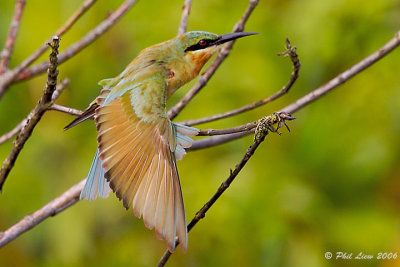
{"x":199,"y":46}
{"x":194,"y":49}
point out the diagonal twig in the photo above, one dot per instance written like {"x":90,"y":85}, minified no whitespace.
{"x":205,"y":77}
{"x":242,"y":128}
{"x":273,"y":119}
{"x":52,"y":208}
{"x":37,"y":114}
{"x":185,"y":15}
{"x":216,"y":140}
{"x":5,"y":54}
{"x":291,"y":53}
{"x":8,"y":136}
{"x":89,"y":38}
{"x":67,"y":110}
{"x":9,"y":77}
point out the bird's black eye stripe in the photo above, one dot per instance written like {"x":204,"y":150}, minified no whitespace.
{"x":203,"y":43}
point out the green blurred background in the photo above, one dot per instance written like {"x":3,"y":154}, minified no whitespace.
{"x":332,"y":184}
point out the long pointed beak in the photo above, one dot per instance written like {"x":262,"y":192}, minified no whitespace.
{"x":232,"y":36}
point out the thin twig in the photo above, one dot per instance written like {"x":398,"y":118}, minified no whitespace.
{"x":74,"y":18}
{"x":67,"y":110}
{"x":75,"y":48}
{"x":57,"y":205}
{"x":291,"y":53}
{"x":216,"y":140}
{"x":8,"y":136}
{"x":5,"y":54}
{"x":61,"y":204}
{"x":205,"y":77}
{"x":185,"y":14}
{"x":10,"y":76}
{"x":39,"y":110}
{"x":63,"y":84}
{"x":242,"y":128}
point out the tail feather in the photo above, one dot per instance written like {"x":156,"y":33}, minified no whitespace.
{"x":182,"y":139}
{"x":96,"y":184}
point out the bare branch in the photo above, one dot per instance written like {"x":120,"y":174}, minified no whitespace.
{"x":63,"y":29}
{"x":7,"y":136}
{"x":242,"y":128}
{"x":5,"y":55}
{"x":89,"y":38}
{"x":10,"y":76}
{"x":39,"y":110}
{"x":205,"y":77}
{"x":217,"y":140}
{"x":57,"y":205}
{"x":291,"y":53}
{"x":185,"y":14}
{"x":63,"y":84}
{"x":68,"y":110}
{"x":74,"y":18}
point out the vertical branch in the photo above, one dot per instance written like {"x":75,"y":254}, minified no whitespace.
{"x":12,"y":35}
{"x":185,"y":15}
{"x":39,"y":110}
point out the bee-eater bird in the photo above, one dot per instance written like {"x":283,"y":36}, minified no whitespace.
{"x":138,"y":145}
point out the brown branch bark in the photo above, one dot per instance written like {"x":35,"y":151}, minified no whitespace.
{"x":185,"y":15}
{"x":5,"y":54}
{"x":291,"y":53}
{"x":242,"y":128}
{"x":205,"y":77}
{"x":39,"y":110}
{"x":216,"y":140}
{"x":8,"y":136}
{"x":67,"y":110}
{"x":10,"y":75}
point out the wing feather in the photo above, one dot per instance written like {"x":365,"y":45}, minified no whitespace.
{"x":136,"y":147}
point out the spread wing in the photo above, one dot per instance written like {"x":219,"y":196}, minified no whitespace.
{"x":137,"y":142}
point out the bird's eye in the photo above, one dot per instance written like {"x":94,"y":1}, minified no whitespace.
{"x":202,"y":43}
